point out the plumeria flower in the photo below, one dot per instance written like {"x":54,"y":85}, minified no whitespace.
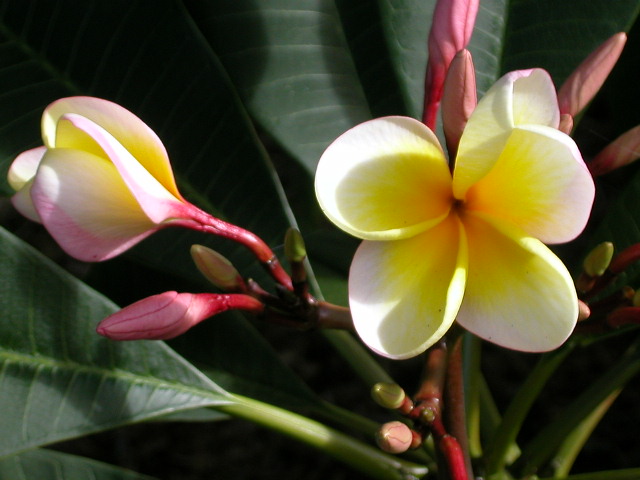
{"x":102,"y":182}
{"x":465,"y":244}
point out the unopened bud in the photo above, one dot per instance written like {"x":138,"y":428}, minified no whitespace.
{"x":585,"y":81}
{"x":625,"y":258}
{"x":584,"y":311}
{"x":566,"y":123}
{"x":294,"y":248}
{"x":217,"y":269}
{"x":598,"y":259}
{"x":388,"y":395}
{"x":169,"y":314}
{"x":394,"y":437}
{"x":459,"y":99}
{"x":622,"y":151}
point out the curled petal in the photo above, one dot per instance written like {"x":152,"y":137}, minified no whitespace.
{"x":539,"y":183}
{"x":622,"y":151}
{"x":519,"y":294}
{"x":157,"y":202}
{"x":84,"y":204}
{"x":585,"y":81}
{"x":20,"y":178}
{"x":131,"y":132}
{"x":384,"y":179}
{"x":523,"y":97}
{"x":169,"y":314}
{"x":404,"y":295}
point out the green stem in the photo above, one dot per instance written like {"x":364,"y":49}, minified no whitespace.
{"x":362,"y":457}
{"x":572,"y":445}
{"x":472,"y":376}
{"x":496,"y":453}
{"x":360,"y":360}
{"x":541,"y":448}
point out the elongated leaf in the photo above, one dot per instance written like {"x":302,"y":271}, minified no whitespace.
{"x":58,"y":378}
{"x":292,"y":66}
{"x":51,"y":465}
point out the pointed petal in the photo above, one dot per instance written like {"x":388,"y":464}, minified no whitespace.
{"x":20,"y":178}
{"x":519,"y":294}
{"x":86,"y":207}
{"x":80,"y":133}
{"x":384,"y":179}
{"x":136,"y":137}
{"x":540,"y":184}
{"x":404,"y":295}
{"x":518,"y":98}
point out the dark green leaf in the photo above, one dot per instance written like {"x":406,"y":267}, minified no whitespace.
{"x":58,"y":378}
{"x":50,"y":465}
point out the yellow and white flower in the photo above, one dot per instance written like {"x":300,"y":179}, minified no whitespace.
{"x":466,"y":244}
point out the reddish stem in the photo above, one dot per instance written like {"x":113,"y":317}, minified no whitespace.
{"x":202,"y":221}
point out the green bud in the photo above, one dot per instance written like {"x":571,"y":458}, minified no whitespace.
{"x":388,"y":395}
{"x":294,"y":248}
{"x":216,"y":268}
{"x":598,"y":259}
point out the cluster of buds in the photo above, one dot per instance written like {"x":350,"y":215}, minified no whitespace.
{"x":167,"y":315}
{"x":425,"y":415}
{"x":601,"y":269}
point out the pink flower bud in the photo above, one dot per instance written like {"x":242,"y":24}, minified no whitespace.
{"x":585,"y":81}
{"x":394,"y":437}
{"x":459,"y":99}
{"x":622,"y":151}
{"x":169,"y":314}
{"x":451,"y":30}
{"x":566,"y":123}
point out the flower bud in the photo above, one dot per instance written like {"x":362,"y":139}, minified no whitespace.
{"x":294,"y":247}
{"x":566,"y":123}
{"x":394,"y":437}
{"x":625,"y":258}
{"x":169,"y":314}
{"x":598,"y":260}
{"x":217,"y":269}
{"x":459,"y":99}
{"x":585,"y":81}
{"x":622,"y":151}
{"x":451,"y":29}
{"x":388,"y":395}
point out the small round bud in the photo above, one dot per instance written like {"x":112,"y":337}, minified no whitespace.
{"x":217,"y":269}
{"x":584,"y":311}
{"x":598,"y":259}
{"x":394,"y":437}
{"x":294,"y":247}
{"x":388,"y":395}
